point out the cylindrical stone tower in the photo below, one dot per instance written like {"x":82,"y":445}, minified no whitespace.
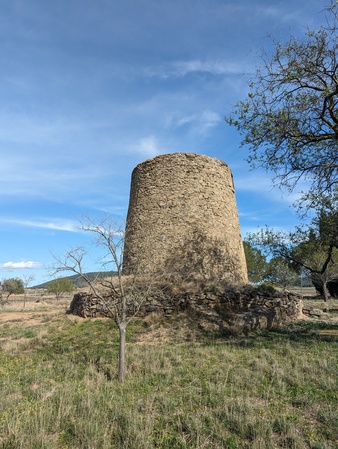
{"x":183,"y":222}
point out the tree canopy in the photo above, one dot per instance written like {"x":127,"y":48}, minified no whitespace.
{"x":277,"y":270}
{"x":11,"y":286}
{"x":289,"y":120}
{"x":313,"y":247}
{"x":256,"y":263}
{"x":60,"y":286}
{"x":280,"y":272}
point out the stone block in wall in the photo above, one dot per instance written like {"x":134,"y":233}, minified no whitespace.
{"x":183,"y":209}
{"x":316,"y":312}
{"x":238,"y":308}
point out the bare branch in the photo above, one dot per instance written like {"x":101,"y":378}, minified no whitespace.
{"x":289,"y":121}
{"x":122,"y":295}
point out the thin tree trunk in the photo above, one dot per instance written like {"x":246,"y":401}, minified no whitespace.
{"x":122,"y":352}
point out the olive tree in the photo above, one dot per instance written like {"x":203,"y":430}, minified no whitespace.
{"x":11,"y":286}
{"x":289,"y":120}
{"x":281,"y":272}
{"x":60,"y":286}
{"x":309,"y":248}
{"x":256,"y":262}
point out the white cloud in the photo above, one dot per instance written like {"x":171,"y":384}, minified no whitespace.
{"x":259,"y":183}
{"x":147,"y":147}
{"x":263,"y":184}
{"x":251,"y":215}
{"x":39,"y":130}
{"x":19,"y":265}
{"x":179,"y":69}
{"x":199,"y":124}
{"x":209,"y":119}
{"x":54,"y":224}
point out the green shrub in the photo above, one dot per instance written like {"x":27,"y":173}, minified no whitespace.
{"x":267,"y":289}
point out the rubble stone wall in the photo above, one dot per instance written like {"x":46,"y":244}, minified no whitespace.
{"x":244,"y":307}
{"x":183,"y":219}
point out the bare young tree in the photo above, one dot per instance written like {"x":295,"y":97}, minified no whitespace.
{"x":121,"y":295}
{"x":27,"y":279}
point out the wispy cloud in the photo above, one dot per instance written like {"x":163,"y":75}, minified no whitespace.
{"x":21,"y":175}
{"x":179,"y":69}
{"x":263,"y":184}
{"x":147,"y":147}
{"x":252,"y":216}
{"x":259,"y":183}
{"x":20,"y":265}
{"x":39,"y":130}
{"x":52,"y":224}
{"x":200,"y":123}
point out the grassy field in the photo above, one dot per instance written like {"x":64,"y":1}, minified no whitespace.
{"x":185,"y":388}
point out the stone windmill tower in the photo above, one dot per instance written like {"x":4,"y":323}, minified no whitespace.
{"x":182,"y":221}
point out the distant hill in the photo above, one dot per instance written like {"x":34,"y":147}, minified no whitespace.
{"x":77,"y":279}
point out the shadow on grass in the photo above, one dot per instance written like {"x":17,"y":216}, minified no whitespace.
{"x":303,"y":332}
{"x":308,"y":330}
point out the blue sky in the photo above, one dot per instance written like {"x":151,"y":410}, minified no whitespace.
{"x":89,"y":89}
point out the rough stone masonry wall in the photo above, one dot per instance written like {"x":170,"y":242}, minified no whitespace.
{"x":183,"y":220}
{"x":239,"y":308}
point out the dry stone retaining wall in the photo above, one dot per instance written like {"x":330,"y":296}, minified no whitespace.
{"x":183,"y":221}
{"x":246,"y":307}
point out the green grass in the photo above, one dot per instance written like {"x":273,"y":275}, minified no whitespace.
{"x":267,"y":390}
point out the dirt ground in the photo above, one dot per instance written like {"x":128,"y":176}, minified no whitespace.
{"x":40,"y":307}
{"x":34,"y":308}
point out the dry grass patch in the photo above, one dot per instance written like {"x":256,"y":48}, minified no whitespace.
{"x":266,"y":390}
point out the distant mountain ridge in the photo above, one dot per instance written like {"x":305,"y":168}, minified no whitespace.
{"x":78,"y":281}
